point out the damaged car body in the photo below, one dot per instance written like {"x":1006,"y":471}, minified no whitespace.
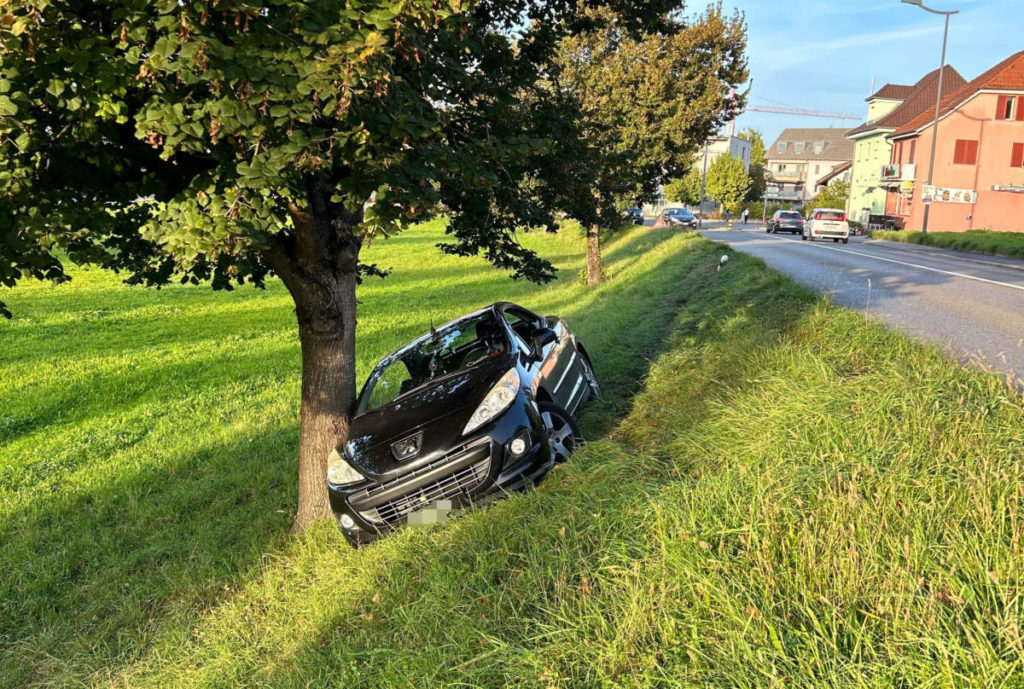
{"x":483,"y":405}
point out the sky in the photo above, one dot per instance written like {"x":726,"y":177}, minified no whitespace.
{"x":822,"y":55}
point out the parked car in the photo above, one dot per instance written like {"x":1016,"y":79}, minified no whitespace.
{"x":483,"y":405}
{"x":635,"y":215}
{"x":827,"y":223}
{"x":678,"y":217}
{"x":785,"y":221}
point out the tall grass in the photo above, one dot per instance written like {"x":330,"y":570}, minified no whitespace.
{"x":981,"y":241}
{"x":796,"y":497}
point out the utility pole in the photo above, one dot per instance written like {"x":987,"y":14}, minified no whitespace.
{"x":703,"y":188}
{"x":938,"y":103}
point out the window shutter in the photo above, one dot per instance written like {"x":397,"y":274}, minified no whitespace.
{"x":958,"y":152}
{"x":1001,"y":108}
{"x":1017,"y":159}
{"x":1020,"y":108}
{"x":972,"y":152}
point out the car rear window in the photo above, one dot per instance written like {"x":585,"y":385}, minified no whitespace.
{"x":830,"y":215}
{"x":791,"y":215}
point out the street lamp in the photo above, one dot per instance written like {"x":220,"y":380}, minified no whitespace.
{"x":938,"y":100}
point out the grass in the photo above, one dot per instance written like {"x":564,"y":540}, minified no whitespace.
{"x":795,"y":497}
{"x":981,"y":241}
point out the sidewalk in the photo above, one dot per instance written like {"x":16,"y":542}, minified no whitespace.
{"x":971,"y":256}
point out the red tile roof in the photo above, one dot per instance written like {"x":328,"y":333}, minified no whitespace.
{"x":1007,"y":75}
{"x":920,"y":98}
{"x":892,"y":92}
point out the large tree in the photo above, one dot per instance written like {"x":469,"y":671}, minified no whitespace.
{"x":646,"y":99}
{"x":687,"y":189}
{"x":728,"y":182}
{"x":758,"y":163}
{"x":228,"y":141}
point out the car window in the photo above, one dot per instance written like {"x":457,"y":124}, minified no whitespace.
{"x":789,"y":215}
{"x":522,"y":323}
{"x":458,"y":347}
{"x":830,"y":215}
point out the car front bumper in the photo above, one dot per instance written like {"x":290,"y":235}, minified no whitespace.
{"x":479,"y":468}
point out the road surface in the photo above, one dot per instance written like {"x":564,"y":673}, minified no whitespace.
{"x":972,"y":305}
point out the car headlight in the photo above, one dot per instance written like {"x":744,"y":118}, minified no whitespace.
{"x":340,"y":472}
{"x":500,"y":398}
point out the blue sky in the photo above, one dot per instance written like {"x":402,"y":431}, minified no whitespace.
{"x":822,"y":55}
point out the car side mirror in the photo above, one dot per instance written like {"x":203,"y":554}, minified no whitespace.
{"x":542,"y":337}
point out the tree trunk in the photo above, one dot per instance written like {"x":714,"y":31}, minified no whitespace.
{"x":327,"y":333}
{"x":319,"y":264}
{"x":593,"y":254}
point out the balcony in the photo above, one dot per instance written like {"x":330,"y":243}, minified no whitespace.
{"x":788,"y":176}
{"x":899,"y":173}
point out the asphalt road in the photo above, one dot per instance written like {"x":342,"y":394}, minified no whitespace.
{"x":970,"y":304}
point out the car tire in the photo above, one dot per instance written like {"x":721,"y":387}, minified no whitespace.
{"x":563,"y":432}
{"x":846,"y":240}
{"x":835,"y":241}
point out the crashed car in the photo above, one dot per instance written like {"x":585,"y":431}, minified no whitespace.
{"x":483,"y":405}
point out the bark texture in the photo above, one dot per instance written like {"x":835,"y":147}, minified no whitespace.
{"x":594,"y":254}
{"x":320,"y":267}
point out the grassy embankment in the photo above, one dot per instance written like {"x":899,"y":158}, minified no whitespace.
{"x":981,"y":241}
{"x":795,"y":498}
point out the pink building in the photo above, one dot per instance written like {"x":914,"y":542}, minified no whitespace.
{"x":979,"y":161}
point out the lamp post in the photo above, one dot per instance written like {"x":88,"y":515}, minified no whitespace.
{"x":938,"y":101}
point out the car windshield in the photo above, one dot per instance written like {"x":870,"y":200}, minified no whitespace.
{"x":790,"y":215}
{"x":454,"y":348}
{"x":678,"y":211}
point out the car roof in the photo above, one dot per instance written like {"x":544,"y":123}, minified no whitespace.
{"x":827,"y":210}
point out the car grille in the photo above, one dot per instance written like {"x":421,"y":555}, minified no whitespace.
{"x":463,"y":481}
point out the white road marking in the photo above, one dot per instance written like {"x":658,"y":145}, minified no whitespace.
{"x":912,"y":265}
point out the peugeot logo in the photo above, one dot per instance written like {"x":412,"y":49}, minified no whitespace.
{"x":407,"y":448}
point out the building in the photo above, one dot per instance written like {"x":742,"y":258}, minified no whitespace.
{"x":891,"y":107}
{"x":979,"y":159}
{"x":729,"y":143}
{"x":802,"y":161}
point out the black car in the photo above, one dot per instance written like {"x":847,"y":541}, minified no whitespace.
{"x":483,"y":405}
{"x":679,"y":217}
{"x":635,"y":215}
{"x":785,"y":221}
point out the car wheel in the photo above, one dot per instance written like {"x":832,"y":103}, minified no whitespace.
{"x":563,"y":433}
{"x":835,"y":241}
{"x":846,"y":240}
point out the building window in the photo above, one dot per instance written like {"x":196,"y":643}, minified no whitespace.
{"x":966,"y":152}
{"x":1004,"y":108}
{"x":817,"y":169}
{"x":781,"y":148}
{"x":798,"y":147}
{"x":819,"y":146}
{"x":1017,"y":156}
{"x":913,"y":151}
{"x":780,"y":168}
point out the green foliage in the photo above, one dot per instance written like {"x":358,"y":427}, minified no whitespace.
{"x":646,"y":102}
{"x":728,"y":182}
{"x":982,"y":241}
{"x":250,"y":137}
{"x":685,"y":190}
{"x":758,"y":163}
{"x":835,"y":195}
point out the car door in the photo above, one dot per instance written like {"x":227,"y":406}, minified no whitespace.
{"x":556,"y":367}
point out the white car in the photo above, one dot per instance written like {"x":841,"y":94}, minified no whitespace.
{"x":827,"y":223}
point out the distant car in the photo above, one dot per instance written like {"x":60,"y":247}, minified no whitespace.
{"x":678,"y":217}
{"x":827,"y":223}
{"x":785,"y":221}
{"x":481,"y":406}
{"x":635,"y":215}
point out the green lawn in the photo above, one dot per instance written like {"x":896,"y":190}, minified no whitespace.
{"x":982,"y":241}
{"x":796,"y":497}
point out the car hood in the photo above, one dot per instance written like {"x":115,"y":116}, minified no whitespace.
{"x":439,"y":411}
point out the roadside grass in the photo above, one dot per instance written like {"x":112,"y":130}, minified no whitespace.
{"x":796,"y":497}
{"x":981,"y":241}
{"x":148,"y":438}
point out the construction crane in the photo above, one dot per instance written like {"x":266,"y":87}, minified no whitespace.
{"x":805,"y":113}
